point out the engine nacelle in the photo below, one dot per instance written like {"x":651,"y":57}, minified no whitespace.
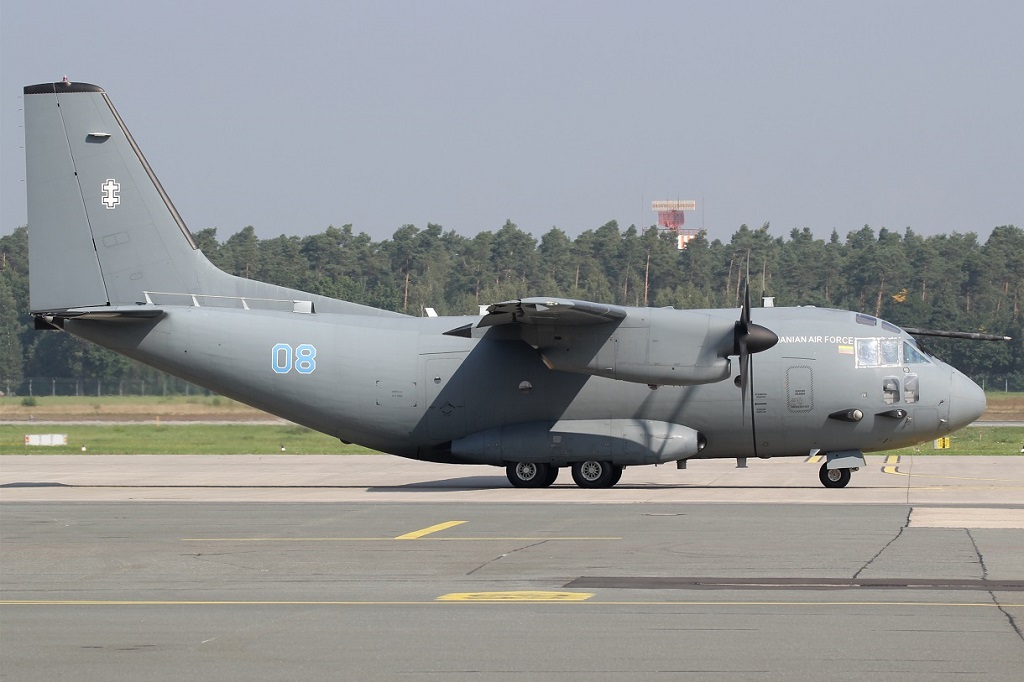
{"x":650,"y":346}
{"x":620,"y":441}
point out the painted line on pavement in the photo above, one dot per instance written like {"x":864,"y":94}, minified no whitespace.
{"x":416,"y":534}
{"x":588,"y":602}
{"x":518,"y":595}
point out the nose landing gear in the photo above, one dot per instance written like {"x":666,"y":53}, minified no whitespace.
{"x":833,"y":478}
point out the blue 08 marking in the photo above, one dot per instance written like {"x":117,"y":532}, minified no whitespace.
{"x":305,"y":359}
{"x":281,"y":358}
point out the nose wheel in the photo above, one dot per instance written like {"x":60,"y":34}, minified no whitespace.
{"x":833,"y":478}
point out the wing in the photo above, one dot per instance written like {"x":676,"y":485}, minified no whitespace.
{"x":542,"y":311}
{"x":557,"y":311}
{"x":644,"y":345}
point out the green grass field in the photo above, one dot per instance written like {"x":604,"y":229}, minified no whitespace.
{"x":186,"y":439}
{"x":979,"y":440}
{"x":262,"y":439}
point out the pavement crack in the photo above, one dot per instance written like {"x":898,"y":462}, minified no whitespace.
{"x":502,"y":556}
{"x":906,"y":523}
{"x":981,"y":559}
{"x":984,"y":576}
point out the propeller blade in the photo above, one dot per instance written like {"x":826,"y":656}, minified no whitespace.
{"x":744,"y":315}
{"x":973,"y":336}
{"x":749,"y":338}
{"x":744,"y":377}
{"x":743,"y":330}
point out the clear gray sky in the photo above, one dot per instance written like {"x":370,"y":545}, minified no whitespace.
{"x":292,"y":116}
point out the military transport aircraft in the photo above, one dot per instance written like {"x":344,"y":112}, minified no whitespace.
{"x":533,"y":385}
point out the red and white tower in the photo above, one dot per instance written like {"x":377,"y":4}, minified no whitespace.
{"x":671,"y":218}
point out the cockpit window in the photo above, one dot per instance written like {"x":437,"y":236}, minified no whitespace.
{"x":889,"y":327}
{"x":912,"y":356}
{"x":890,"y":390}
{"x":890,"y":352}
{"x":887,"y":352}
{"x":866,"y":320}
{"x":867,"y":352}
{"x":911,"y":389}
{"x":874,"y":352}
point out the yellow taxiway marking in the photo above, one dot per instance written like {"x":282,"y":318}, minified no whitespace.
{"x":431,"y":529}
{"x":814,"y":459}
{"x":584,"y":600}
{"x":537,"y":538}
{"x":890,"y":466}
{"x":520,"y":595}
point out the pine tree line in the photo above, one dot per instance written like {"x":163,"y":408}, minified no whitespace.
{"x":947,"y":281}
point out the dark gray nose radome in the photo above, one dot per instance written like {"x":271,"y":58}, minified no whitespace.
{"x":966,"y":401}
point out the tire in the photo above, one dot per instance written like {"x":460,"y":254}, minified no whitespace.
{"x":616,"y":475}
{"x":530,"y":474}
{"x":833,"y":478}
{"x":594,"y":474}
{"x":552,"y":475}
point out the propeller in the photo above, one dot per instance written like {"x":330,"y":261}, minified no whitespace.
{"x":973,"y":336}
{"x":749,"y":338}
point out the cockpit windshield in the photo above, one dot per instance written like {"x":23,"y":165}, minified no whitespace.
{"x":913,"y":356}
{"x":888,"y":352}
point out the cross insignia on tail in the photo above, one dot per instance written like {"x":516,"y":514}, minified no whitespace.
{"x":111,"y":193}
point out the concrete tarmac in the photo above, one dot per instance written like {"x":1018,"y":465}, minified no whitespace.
{"x":289,"y":567}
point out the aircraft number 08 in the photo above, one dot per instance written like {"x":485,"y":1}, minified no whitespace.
{"x":303,"y":358}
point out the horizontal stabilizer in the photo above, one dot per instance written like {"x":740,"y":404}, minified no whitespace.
{"x":117,"y":312}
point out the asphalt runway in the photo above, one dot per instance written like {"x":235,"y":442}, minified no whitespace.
{"x":377,"y":568}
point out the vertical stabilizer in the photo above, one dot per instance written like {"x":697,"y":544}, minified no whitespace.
{"x":101,"y":228}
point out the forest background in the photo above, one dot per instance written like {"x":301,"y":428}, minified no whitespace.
{"x":950,"y":281}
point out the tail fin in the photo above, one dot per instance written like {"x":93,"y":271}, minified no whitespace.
{"x":101,"y":228}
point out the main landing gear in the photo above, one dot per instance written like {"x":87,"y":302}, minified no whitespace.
{"x":596,"y":474}
{"x":531,"y":474}
{"x":833,"y":478}
{"x":589,"y":474}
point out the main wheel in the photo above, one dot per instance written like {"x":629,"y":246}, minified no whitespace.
{"x":531,"y":474}
{"x":833,"y":478}
{"x":595,"y":474}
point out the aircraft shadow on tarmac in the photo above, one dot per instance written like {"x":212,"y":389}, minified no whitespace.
{"x":444,"y":484}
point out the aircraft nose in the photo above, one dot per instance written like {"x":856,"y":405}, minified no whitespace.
{"x":966,"y":401}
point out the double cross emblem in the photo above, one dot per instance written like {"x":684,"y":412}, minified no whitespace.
{"x":111,"y":193}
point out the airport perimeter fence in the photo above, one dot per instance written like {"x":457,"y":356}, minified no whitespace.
{"x":1002,"y":385}
{"x":64,"y":386}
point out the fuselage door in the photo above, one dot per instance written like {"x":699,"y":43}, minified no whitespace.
{"x":799,"y":390}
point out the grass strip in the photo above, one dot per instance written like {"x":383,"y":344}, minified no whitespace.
{"x":267,"y":439}
{"x":177,"y":439}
